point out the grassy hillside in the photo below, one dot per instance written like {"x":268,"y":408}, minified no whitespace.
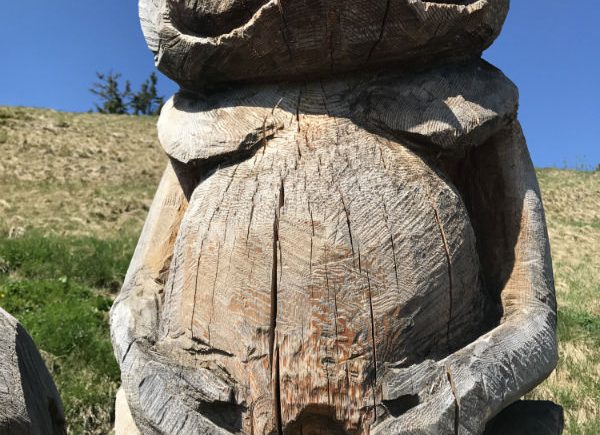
{"x":74,"y":191}
{"x":572,"y":203}
{"x":76,"y":173}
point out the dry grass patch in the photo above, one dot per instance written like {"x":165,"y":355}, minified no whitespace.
{"x":76,"y":173}
{"x":572,"y":202}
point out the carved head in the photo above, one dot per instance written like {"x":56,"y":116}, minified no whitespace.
{"x":202,"y":42}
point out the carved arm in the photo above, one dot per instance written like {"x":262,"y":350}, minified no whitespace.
{"x":462,"y":392}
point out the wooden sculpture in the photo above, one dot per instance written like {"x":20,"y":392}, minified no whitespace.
{"x":29,"y":401}
{"x":349,"y":236}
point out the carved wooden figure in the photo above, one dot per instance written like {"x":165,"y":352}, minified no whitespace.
{"x":349,"y":236}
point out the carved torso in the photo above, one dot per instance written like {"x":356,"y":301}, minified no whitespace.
{"x":314,"y":257}
{"x":351,"y":250}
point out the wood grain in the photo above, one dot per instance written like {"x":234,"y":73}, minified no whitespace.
{"x":467,"y":388}
{"x":200,"y":44}
{"x":349,"y":238}
{"x":29,"y":401}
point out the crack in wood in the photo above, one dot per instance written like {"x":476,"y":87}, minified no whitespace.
{"x":277,"y":393}
{"x":201,"y":247}
{"x":381,"y":32}
{"x":273,"y":348}
{"x":284,"y":30}
{"x":196,"y":290}
{"x":372,"y":318}
{"x":347,"y":213}
{"x":298,"y":103}
{"x":456,"y":400}
{"x":387,"y":223}
{"x":327,"y":360}
{"x":449,"y":263}
{"x":129,"y":346}
{"x":335,"y":324}
{"x":312,"y":236}
{"x":359,"y":260}
{"x":333,"y":117}
{"x":252,"y":211}
{"x":212,"y":309}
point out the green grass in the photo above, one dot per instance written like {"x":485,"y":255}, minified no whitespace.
{"x":88,"y":260}
{"x":572,"y":202}
{"x":61,"y":289}
{"x":578,"y":325}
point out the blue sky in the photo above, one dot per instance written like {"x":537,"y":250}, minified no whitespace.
{"x":549,"y":48}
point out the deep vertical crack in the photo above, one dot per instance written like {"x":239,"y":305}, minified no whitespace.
{"x":277,"y":393}
{"x":449,"y":264}
{"x":347,"y":213}
{"x":456,"y":401}
{"x":381,"y":32}
{"x":387,"y":223}
{"x":370,"y":299}
{"x":273,"y":349}
{"x":312,"y":236}
{"x":252,"y":210}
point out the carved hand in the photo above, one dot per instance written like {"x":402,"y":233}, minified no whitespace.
{"x":465,"y":390}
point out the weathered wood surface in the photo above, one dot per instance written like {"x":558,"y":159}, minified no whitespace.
{"x":206,"y":42}
{"x":322,"y":255}
{"x":448,"y":109}
{"x":29,"y":401}
{"x":467,"y":388}
{"x":357,"y":252}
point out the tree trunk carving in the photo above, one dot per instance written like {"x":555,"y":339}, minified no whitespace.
{"x":349,"y":236}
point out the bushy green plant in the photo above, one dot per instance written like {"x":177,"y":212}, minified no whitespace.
{"x":116,"y":101}
{"x":107,"y":89}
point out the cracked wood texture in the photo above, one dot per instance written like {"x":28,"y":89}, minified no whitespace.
{"x":29,"y":401}
{"x":359,"y":251}
{"x":199,"y":43}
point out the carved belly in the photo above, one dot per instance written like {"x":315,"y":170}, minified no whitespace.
{"x":302,"y":270}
